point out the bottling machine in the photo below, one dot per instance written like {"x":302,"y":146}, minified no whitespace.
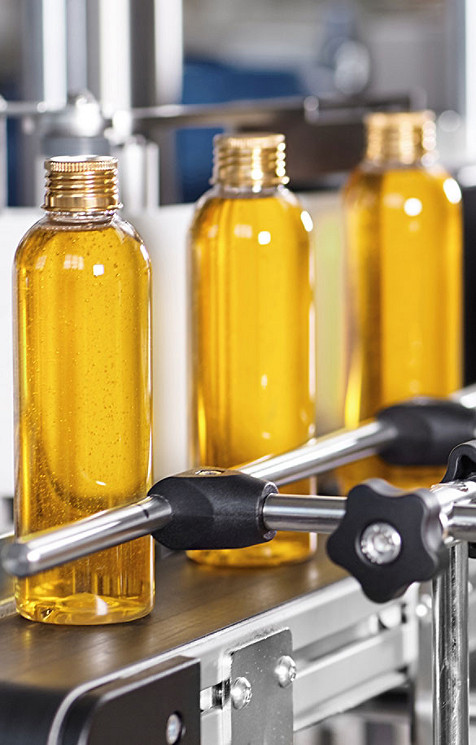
{"x":240,"y":657}
{"x":304,"y":652}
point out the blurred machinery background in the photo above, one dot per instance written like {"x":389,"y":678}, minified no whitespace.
{"x":108,"y":56}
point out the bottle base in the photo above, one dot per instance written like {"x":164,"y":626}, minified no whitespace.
{"x":286,"y":548}
{"x":84,"y":609}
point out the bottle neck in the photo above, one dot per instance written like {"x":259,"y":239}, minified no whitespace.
{"x":81,"y":218}
{"x":230,"y":191}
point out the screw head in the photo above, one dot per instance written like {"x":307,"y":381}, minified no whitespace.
{"x":209,"y":472}
{"x":173,"y":729}
{"x":241,"y":693}
{"x":285,"y":671}
{"x":380,"y":543}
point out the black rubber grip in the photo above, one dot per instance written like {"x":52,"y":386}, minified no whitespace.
{"x":214,"y":509}
{"x":427,"y":430}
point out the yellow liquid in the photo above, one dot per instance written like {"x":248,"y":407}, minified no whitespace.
{"x":253,"y":339}
{"x":83,"y":418}
{"x":405,"y":267}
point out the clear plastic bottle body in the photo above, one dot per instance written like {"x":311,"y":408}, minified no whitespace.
{"x":83,"y":408}
{"x":405,"y":269}
{"x":252,"y":329}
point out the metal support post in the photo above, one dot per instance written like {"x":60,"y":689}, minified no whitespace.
{"x":450,"y":651}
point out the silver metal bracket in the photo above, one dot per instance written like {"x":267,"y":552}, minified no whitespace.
{"x":261,"y":692}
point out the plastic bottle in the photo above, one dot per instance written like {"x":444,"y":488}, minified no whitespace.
{"x":403,"y":222}
{"x":83,"y":391}
{"x":252,"y":324}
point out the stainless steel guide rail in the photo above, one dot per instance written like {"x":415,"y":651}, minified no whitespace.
{"x":118,"y":525}
{"x":318,"y":514}
{"x":323,"y":453}
{"x":379,"y":546}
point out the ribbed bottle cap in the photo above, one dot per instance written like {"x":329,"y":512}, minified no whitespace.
{"x":400,"y":137}
{"x":255,"y":160}
{"x":84,"y":183}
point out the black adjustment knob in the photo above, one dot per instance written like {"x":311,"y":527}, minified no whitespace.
{"x":214,"y":508}
{"x":389,"y":539}
{"x":462,"y":467}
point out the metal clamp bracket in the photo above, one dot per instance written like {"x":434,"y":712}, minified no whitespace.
{"x":261,"y":676}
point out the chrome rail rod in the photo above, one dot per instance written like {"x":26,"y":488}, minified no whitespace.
{"x":27,"y":556}
{"x":118,"y":525}
{"x":50,"y":548}
{"x":308,"y":514}
{"x":323,"y":453}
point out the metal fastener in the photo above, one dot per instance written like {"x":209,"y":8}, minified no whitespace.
{"x":173,"y":729}
{"x":380,"y":543}
{"x":241,"y":693}
{"x":285,"y":671}
{"x":209,"y":472}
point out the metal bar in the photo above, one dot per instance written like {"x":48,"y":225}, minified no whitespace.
{"x":323,"y":514}
{"x":339,"y":448}
{"x":25,"y":557}
{"x":321,"y":454}
{"x":453,"y":492}
{"x":50,"y":548}
{"x":450,"y":651}
{"x":290,"y":512}
{"x":19,"y":109}
{"x":311,"y":106}
{"x":236,"y":112}
{"x":281,"y":512}
{"x":462,"y":523}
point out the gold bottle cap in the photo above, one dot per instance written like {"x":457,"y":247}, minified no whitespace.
{"x":400,"y":137}
{"x":249,"y":160}
{"x":84,"y":183}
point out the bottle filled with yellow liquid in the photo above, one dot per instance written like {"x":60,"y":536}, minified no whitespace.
{"x":252,"y":325}
{"x":404,"y":237}
{"x":83,"y":391}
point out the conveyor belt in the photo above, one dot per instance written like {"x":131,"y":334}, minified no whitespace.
{"x":192,"y":602}
{"x":346,"y":648}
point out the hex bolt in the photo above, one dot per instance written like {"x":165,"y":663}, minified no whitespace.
{"x":241,"y":693}
{"x":381,"y":543}
{"x":173,"y":729}
{"x":285,"y":671}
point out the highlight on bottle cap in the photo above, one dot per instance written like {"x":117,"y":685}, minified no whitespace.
{"x":402,"y":136}
{"x":249,"y":159}
{"x":83,"y":183}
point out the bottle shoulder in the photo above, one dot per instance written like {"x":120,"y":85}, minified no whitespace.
{"x":54,"y":239}
{"x":276,"y":204}
{"x":368,"y":183}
